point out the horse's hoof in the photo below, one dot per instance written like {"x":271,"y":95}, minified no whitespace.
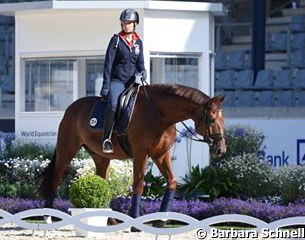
{"x":133,"y":229}
{"x":159,"y":224}
{"x":112,"y":221}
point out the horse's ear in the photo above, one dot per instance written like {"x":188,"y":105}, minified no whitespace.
{"x":220,"y":98}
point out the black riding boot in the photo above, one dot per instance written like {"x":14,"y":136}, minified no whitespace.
{"x":108,"y":125}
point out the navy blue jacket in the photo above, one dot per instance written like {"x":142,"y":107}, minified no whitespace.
{"x":122,"y":61}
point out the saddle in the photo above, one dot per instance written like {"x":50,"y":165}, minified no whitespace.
{"x":124,"y":112}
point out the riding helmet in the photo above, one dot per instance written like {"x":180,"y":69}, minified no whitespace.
{"x":130,"y":15}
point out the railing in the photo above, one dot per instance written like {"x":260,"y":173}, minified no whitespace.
{"x":280,"y":7}
{"x":221,"y":28}
{"x":228,"y":27}
{"x":191,"y":223}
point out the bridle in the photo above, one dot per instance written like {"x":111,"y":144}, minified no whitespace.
{"x":209,"y":138}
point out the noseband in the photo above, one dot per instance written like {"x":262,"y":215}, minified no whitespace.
{"x":204,"y":139}
{"x":209,"y":122}
{"x":210,"y":137}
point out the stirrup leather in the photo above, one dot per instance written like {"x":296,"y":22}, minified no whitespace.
{"x":107,"y":146}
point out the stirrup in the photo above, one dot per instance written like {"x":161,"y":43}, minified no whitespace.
{"x":107,"y":146}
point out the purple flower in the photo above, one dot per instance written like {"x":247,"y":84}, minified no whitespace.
{"x":186,"y":132}
{"x":7,"y":137}
{"x":200,"y":210}
{"x":195,"y":208}
{"x":15,"y":205}
{"x":178,"y":139}
{"x":239,"y":132}
{"x":182,"y":133}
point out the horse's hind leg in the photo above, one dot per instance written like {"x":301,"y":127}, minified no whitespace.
{"x":65,"y":151}
{"x":63,"y":160}
{"x":101,"y":164}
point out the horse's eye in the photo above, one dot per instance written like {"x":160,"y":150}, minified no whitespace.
{"x":211,"y":121}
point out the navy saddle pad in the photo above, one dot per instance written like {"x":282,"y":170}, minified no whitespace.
{"x":97,"y":115}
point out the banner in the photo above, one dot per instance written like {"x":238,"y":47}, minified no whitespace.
{"x":284,"y":143}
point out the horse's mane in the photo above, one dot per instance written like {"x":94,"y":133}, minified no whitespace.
{"x":183,"y":91}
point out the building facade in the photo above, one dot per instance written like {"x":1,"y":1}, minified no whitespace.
{"x":60,"y":49}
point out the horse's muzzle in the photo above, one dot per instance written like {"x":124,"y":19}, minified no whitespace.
{"x":218,"y":148}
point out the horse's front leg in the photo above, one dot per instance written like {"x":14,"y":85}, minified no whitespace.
{"x":139,"y":168}
{"x":166,"y":170}
{"x":165,"y":167}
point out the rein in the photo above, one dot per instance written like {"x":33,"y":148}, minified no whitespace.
{"x":204,"y":139}
{"x":146,"y":95}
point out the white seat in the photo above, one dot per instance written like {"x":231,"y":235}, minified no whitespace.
{"x":283,"y":79}
{"x":236,"y":60}
{"x":8,"y":84}
{"x":299,"y":100}
{"x":297,"y":59}
{"x":279,"y":44}
{"x":265,"y":99}
{"x":264,"y":79}
{"x":221,"y":60}
{"x":225,"y":80}
{"x":248,"y":62}
{"x":268,"y":42}
{"x":244,"y":79}
{"x":284,"y":98}
{"x":298,"y":41}
{"x":245,"y":98}
{"x":297,"y":23}
{"x":299,"y":81}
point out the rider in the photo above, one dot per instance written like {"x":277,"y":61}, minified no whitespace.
{"x":124,"y":58}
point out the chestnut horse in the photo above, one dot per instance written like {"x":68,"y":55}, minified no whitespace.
{"x":151,"y":133}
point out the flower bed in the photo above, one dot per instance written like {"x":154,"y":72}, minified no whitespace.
{"x":200,"y":210}
{"x":195,"y":208}
{"x":239,"y":174}
{"x":13,"y":205}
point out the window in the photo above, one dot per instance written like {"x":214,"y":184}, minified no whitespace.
{"x":7,"y":95}
{"x":175,"y":69}
{"x":94,"y":76}
{"x":50,"y":84}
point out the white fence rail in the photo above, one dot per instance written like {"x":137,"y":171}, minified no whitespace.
{"x":19,"y":219}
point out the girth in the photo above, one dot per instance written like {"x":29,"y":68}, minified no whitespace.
{"x":124,"y":112}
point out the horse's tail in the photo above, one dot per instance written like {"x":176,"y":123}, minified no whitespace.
{"x":45,"y":188}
